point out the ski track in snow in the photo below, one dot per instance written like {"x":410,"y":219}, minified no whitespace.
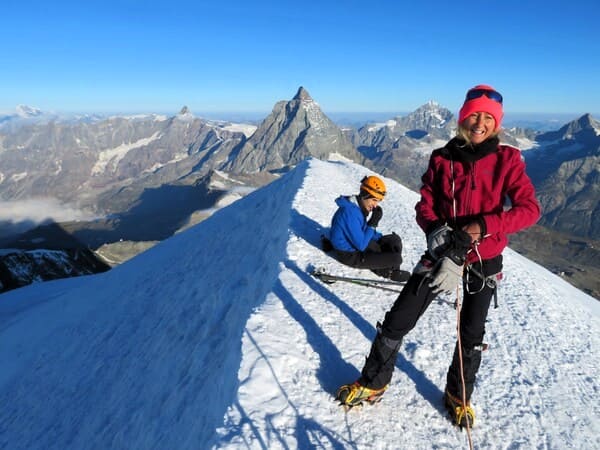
{"x":219,"y":338}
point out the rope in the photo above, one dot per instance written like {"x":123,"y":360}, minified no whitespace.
{"x":460,"y":359}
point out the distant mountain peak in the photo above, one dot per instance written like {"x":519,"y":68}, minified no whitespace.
{"x":302,"y":94}
{"x":185,"y":110}
{"x":25,"y":111}
{"x":585,"y":123}
{"x":431,"y":105}
{"x":294,"y":130}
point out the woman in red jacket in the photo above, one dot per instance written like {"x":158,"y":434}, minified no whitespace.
{"x":475,"y":192}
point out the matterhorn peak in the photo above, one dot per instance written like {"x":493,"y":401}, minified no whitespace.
{"x":302,"y":94}
{"x":185,"y":115}
{"x":295,"y":130}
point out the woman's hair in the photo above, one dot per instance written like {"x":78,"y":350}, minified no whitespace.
{"x":463,"y":133}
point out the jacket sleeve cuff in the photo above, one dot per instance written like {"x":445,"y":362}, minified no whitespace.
{"x":482,"y":225}
{"x":490,"y":224}
{"x":433,"y":226}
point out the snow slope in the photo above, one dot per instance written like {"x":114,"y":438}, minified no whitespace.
{"x":219,"y":338}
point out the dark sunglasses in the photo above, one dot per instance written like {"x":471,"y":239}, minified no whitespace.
{"x":492,"y":95}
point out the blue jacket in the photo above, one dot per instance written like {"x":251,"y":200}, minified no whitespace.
{"x":349,"y":230}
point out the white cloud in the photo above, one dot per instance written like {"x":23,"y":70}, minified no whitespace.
{"x":38,"y":210}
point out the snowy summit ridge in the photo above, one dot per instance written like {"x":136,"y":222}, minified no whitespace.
{"x":219,"y":338}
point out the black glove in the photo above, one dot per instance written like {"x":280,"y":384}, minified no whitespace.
{"x":458,"y":247}
{"x":444,"y":241}
{"x":439,"y":240}
{"x":376,"y":215}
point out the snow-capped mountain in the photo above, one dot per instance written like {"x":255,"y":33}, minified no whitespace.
{"x":424,"y":120}
{"x":219,"y":338}
{"x":430,"y":121}
{"x":295,"y":130}
{"x":24,"y":115}
{"x":106,"y":165}
{"x":565,"y":167}
{"x":27,"y":112}
{"x":585,"y":129}
{"x":400,"y":147}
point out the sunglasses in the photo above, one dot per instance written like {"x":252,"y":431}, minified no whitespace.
{"x":492,"y":95}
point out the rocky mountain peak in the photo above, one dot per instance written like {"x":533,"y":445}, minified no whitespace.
{"x":302,"y":94}
{"x":429,"y":116}
{"x":184,"y":110}
{"x":295,"y":130}
{"x":585,"y":127}
{"x":587,"y":121}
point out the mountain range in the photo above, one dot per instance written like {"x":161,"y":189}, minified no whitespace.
{"x":566,"y":172}
{"x":145,"y":177}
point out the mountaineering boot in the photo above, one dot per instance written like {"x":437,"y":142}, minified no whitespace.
{"x":461,"y":415}
{"x":354,"y":394}
{"x":393,"y":274}
{"x":384,"y":273}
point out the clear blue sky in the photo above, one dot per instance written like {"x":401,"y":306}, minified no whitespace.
{"x":142,"y":56}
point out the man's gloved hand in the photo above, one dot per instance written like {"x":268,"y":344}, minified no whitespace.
{"x":376,"y":215}
{"x":446,"y":275}
{"x":439,"y":240}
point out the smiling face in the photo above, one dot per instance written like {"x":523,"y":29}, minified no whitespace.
{"x":368,"y":204}
{"x":479,"y":126}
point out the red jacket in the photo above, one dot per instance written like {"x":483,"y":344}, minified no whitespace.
{"x":491,"y":188}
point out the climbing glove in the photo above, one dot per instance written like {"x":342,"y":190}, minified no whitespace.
{"x":439,"y":240}
{"x":376,"y":215}
{"x":448,"y":270}
{"x":446,"y":275}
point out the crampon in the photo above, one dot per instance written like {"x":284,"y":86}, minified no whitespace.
{"x":462,"y":416}
{"x":352,"y":395}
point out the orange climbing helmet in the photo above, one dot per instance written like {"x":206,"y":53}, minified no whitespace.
{"x":373,"y":186}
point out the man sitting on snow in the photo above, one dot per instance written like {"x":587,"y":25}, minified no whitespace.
{"x":356,"y":242}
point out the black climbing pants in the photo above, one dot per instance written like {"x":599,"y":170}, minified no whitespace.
{"x":386,"y":253}
{"x":412,"y":302}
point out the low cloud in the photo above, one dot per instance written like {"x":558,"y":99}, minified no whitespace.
{"x":21,"y":214}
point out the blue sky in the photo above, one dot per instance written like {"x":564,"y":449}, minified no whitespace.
{"x":393,"y":56}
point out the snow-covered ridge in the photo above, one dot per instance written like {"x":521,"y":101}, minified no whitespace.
{"x":124,"y":359}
